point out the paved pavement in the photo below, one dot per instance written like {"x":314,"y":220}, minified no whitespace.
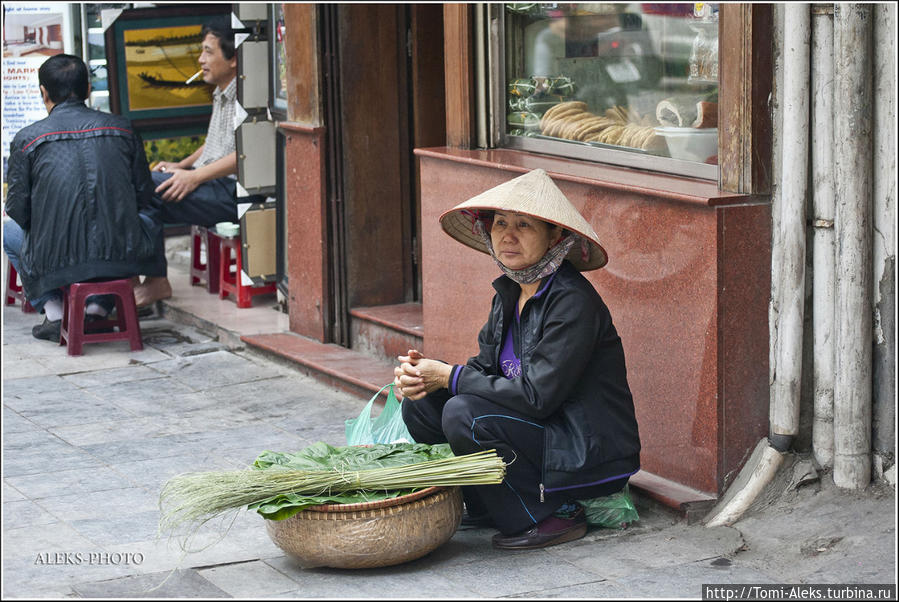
{"x":88,"y":442}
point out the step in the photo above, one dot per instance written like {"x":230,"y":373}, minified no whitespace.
{"x":386,"y":331}
{"x":345,"y":369}
{"x":690,"y":503}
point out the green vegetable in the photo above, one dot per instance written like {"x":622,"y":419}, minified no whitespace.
{"x":321,"y":456}
{"x":522,"y":87}
{"x":278,"y":489}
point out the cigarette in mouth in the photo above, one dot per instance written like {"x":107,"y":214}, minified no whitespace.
{"x":194,"y":76}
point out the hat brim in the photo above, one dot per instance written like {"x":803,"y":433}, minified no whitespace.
{"x":532,"y":194}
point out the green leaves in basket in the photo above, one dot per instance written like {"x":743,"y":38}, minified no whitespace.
{"x":321,"y":456}
{"x":285,"y":506}
{"x":195,"y":498}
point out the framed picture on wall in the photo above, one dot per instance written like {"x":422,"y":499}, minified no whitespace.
{"x":278,"y":62}
{"x":152,"y":58}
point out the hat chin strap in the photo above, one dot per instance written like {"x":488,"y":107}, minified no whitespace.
{"x":548,"y":264}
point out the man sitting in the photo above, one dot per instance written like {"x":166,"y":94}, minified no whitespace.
{"x":79,"y":189}
{"x":201,"y":188}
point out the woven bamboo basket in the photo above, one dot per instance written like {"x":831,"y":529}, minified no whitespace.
{"x":370,"y":534}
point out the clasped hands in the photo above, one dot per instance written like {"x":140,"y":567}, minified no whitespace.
{"x":416,"y":376}
{"x":181,"y":184}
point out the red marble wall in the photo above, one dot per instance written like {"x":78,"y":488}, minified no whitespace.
{"x":307,"y":236}
{"x":686,"y":284}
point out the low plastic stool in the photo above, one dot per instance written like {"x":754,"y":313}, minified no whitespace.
{"x":231,"y":282}
{"x":14,"y":289}
{"x":72,"y":332}
{"x":207,"y":271}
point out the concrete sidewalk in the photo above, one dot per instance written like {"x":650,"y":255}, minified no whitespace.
{"x":88,"y":442}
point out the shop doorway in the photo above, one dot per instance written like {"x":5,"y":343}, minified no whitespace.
{"x":384,"y":96}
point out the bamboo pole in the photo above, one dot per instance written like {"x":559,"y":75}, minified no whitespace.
{"x":823,"y":284}
{"x":884,"y":262}
{"x":853,"y":58}
{"x":788,"y":275}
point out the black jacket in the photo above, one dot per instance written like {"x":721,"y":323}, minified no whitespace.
{"x":77,"y":180}
{"x":573,"y":378}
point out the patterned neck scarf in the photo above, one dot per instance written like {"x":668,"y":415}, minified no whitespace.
{"x":548,"y":264}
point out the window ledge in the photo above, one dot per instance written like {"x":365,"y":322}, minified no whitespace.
{"x":623,"y":179}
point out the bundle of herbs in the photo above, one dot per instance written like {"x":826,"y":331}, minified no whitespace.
{"x":279,"y":484}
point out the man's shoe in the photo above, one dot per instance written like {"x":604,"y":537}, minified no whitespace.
{"x":47,"y":331}
{"x":548,"y":532}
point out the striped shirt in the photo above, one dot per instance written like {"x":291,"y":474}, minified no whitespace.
{"x":220,"y":135}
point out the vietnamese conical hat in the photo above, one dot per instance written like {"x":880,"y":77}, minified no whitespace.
{"x":534,"y":194}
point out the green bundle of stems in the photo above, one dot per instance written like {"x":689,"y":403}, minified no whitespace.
{"x":193,"y":498}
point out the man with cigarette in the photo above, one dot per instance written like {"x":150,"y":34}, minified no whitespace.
{"x":201,"y":188}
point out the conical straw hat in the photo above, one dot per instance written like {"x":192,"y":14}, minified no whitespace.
{"x":534,"y":194}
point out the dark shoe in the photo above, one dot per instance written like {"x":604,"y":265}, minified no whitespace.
{"x":548,"y":532}
{"x":47,"y":331}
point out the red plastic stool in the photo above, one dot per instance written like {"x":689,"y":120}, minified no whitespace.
{"x":14,"y":289}
{"x":231,"y":282}
{"x":208,"y":270}
{"x":72,"y":332}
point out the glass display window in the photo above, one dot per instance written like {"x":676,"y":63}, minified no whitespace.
{"x":585,"y":79}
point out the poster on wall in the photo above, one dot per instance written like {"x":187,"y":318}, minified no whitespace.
{"x":32,"y":32}
{"x":153,"y":66}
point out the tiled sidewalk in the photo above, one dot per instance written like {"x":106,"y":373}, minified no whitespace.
{"x":89,"y":441}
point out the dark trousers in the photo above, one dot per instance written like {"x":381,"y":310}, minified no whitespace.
{"x":210,"y":203}
{"x":471,"y":424}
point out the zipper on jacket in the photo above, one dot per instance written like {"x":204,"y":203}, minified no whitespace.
{"x":541,"y":493}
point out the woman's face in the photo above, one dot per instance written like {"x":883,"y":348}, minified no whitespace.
{"x":520,"y":241}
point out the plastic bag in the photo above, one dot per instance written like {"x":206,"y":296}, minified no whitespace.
{"x":612,"y":511}
{"x":387,"y":427}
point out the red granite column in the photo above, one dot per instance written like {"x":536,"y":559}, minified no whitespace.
{"x":307,"y":234}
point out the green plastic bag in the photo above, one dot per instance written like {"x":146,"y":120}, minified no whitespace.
{"x":614,"y":511}
{"x":387,"y":427}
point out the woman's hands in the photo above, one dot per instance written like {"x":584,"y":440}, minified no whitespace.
{"x":416,"y":376}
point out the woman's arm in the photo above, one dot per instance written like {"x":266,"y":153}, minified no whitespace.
{"x":571,"y":329}
{"x":416,"y":376}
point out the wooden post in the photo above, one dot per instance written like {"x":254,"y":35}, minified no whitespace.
{"x":744,"y":122}
{"x":459,"y":54}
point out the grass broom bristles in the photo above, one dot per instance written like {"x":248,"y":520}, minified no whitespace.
{"x":194,"y":498}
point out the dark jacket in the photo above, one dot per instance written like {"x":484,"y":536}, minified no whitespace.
{"x":573,"y":378}
{"x":77,"y":180}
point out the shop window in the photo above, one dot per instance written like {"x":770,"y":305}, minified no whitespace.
{"x":629,"y":84}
